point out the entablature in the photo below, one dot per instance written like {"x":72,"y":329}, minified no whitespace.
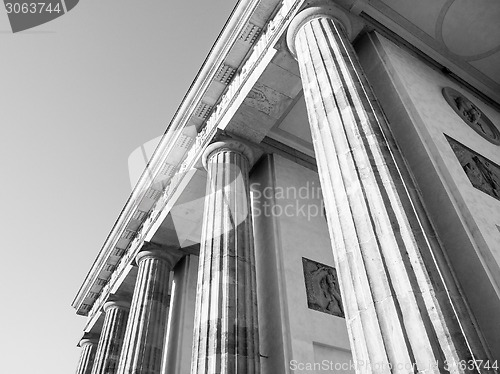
{"x":247,"y":40}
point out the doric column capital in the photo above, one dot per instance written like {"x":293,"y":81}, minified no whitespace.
{"x":151,"y":250}
{"x":230,"y":144}
{"x":324,"y":9}
{"x":120,"y":304}
{"x":87,"y":341}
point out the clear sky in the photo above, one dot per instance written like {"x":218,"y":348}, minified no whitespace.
{"x":77,"y":96}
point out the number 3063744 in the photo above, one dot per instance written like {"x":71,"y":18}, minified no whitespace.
{"x":25,"y":8}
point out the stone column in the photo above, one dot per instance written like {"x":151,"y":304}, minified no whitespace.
{"x":144,"y":340}
{"x":398,"y":310}
{"x":226,"y":331}
{"x":111,"y":340}
{"x":87,"y":356}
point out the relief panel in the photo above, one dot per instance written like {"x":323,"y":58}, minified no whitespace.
{"x":472,"y":115}
{"x":482,"y":173}
{"x":322,"y":288}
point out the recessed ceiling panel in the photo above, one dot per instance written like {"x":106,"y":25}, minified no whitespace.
{"x":422,"y":13}
{"x":472,"y":27}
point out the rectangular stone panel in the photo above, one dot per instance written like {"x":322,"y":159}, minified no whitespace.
{"x":482,"y":173}
{"x":322,"y":288}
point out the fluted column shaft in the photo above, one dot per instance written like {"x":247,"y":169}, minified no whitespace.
{"x":87,"y":356}
{"x":144,"y":340}
{"x":111,"y":340}
{"x":399,"y":314}
{"x":226,"y":331}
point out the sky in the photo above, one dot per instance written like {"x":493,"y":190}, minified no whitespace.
{"x":77,"y":96}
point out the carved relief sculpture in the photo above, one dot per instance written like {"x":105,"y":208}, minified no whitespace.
{"x":322,"y":288}
{"x":482,"y":173}
{"x":472,"y":115}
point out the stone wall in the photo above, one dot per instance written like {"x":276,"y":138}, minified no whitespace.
{"x":299,"y":305}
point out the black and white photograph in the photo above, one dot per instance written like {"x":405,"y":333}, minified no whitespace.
{"x":250,"y":186}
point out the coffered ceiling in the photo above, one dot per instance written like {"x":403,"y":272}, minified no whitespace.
{"x":462,"y":35}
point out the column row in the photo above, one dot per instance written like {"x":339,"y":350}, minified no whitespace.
{"x":133,"y":335}
{"x":398,"y":303}
{"x":226,"y":332}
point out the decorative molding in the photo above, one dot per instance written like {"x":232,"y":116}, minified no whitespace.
{"x":471,"y":115}
{"x":440,"y":37}
{"x":153,"y":194}
{"x":224,"y":74}
{"x":85,"y":306}
{"x":119,"y":252}
{"x":168,"y":170}
{"x":93,"y":295}
{"x":184,"y":141}
{"x":250,"y":33}
{"x":203,"y":110}
{"x":128,"y":234}
{"x":139,"y":215}
{"x":110,"y":267}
